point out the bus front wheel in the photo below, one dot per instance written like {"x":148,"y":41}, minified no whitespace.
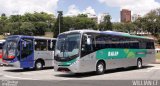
{"x":100,"y":68}
{"x":38,"y":65}
{"x":139,"y":63}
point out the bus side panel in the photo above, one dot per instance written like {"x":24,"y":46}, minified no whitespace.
{"x":27,"y":62}
{"x":88,"y":63}
{"x":150,"y":57}
{"x":26,"y":52}
{"x":147,"y":58}
{"x":46,"y":56}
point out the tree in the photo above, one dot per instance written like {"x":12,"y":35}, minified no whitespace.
{"x":40,"y":28}
{"x":82,"y":15}
{"x":68,"y":23}
{"x":27,"y":28}
{"x":84,"y":23}
{"x":106,"y":24}
{"x":3,"y":22}
{"x":150,"y":22}
{"x":118,"y":27}
{"x":12,"y":27}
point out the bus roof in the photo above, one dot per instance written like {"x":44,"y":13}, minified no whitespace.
{"x":110,"y":32}
{"x":37,"y":37}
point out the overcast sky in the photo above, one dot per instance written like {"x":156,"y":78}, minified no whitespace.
{"x":74,"y":7}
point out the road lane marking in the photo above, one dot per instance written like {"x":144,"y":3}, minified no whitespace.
{"x":148,"y":69}
{"x":28,"y":73}
{"x":155,"y":68}
{"x":8,"y":76}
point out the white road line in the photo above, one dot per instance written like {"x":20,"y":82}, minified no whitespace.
{"x":155,"y":68}
{"x":8,"y":76}
{"x":28,"y":73}
{"x":147,"y":70}
{"x":67,"y":79}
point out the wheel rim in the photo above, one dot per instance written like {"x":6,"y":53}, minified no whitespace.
{"x":39,"y":65}
{"x":139,"y":64}
{"x":100,"y":68}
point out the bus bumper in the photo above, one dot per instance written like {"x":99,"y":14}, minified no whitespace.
{"x":14,"y":64}
{"x":73,"y":68}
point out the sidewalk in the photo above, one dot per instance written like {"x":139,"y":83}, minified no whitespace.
{"x":157,"y":61}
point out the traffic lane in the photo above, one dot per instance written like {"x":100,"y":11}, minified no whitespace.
{"x":31,"y":74}
{"x":113,"y":74}
{"x":148,"y":72}
{"x":67,"y":83}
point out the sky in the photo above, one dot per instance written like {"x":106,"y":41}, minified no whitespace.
{"x":75,"y":7}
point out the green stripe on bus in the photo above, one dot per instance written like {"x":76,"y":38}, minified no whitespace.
{"x":120,"y":53}
{"x":68,"y":62}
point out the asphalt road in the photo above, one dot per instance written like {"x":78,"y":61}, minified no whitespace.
{"x":150,"y":72}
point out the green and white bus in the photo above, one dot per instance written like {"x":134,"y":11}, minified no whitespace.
{"x":80,"y":51}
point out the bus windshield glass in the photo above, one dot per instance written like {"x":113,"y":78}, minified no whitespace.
{"x":9,"y":48}
{"x":67,"y":46}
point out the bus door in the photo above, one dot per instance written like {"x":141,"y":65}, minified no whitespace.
{"x":26,"y":53}
{"x":87,"y":53}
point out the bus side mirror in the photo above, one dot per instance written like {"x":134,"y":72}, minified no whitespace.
{"x":24,"y":44}
{"x":88,"y":41}
{"x":51,"y":44}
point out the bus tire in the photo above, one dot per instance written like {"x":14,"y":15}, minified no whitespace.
{"x":139,"y":63}
{"x":100,"y":67}
{"x":39,"y":65}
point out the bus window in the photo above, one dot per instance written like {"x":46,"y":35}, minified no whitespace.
{"x":27,"y":47}
{"x":85,"y":46}
{"x":142,"y":44}
{"x":40,"y":45}
{"x":51,"y":48}
{"x":150,"y":45}
{"x":101,"y":42}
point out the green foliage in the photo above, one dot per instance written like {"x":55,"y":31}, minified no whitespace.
{"x":82,"y":15}
{"x":150,"y":22}
{"x":118,"y":27}
{"x":84,"y":23}
{"x":74,"y":23}
{"x":27,"y":24}
{"x":27,"y":28}
{"x":106,"y":24}
{"x":38,"y":23}
{"x":124,"y":27}
{"x":40,"y":28}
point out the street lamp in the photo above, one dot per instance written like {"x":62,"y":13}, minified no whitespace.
{"x":60,"y":13}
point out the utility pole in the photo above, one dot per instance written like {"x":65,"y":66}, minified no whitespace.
{"x":60,"y":13}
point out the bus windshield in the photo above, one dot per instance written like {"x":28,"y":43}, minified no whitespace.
{"x":68,"y":46}
{"x":9,"y":48}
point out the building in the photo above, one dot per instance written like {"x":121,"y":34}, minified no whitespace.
{"x":93,"y":17}
{"x":125,"y":15}
{"x":101,"y":17}
{"x":135,"y":17}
